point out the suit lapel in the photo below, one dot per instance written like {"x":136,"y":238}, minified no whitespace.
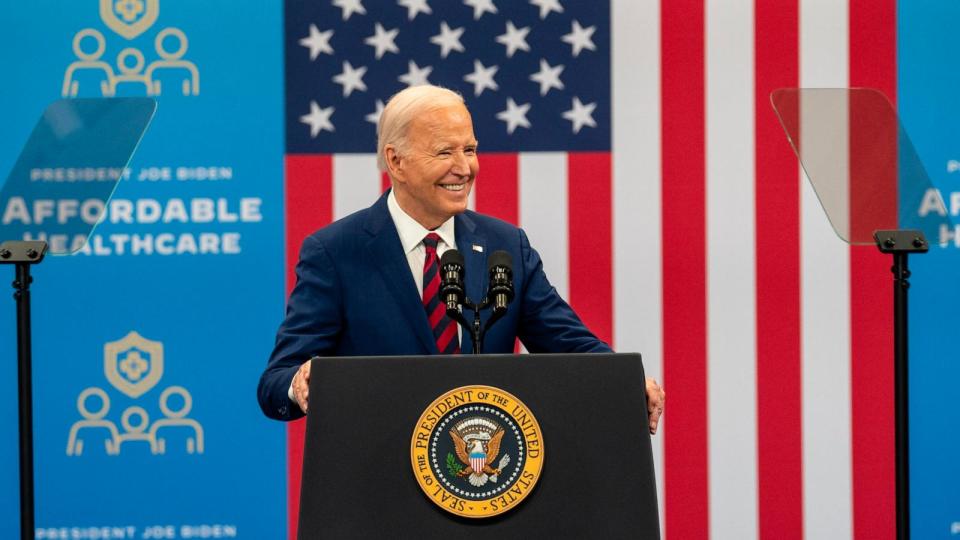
{"x":386,"y":253}
{"x":473,"y":246}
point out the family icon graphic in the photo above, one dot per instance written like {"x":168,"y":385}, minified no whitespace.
{"x":134,"y":365}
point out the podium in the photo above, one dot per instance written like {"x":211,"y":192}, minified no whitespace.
{"x":372,"y":418}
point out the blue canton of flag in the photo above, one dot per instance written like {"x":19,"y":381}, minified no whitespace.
{"x":535,"y":74}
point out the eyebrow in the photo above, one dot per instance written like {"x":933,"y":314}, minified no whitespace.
{"x":446,"y":146}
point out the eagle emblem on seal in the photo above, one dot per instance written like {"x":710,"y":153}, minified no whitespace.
{"x":477,"y":444}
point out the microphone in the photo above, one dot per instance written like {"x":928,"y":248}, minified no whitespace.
{"x":451,"y":279}
{"x":500,"y":266}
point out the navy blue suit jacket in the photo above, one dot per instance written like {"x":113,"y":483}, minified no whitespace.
{"x":355,"y":296}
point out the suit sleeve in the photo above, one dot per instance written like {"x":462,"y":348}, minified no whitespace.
{"x":547,"y":323}
{"x":311,"y":328}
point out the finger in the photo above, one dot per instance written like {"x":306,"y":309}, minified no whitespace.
{"x":655,"y":419}
{"x":302,"y":400}
{"x":657,"y":397}
{"x":300,"y":392}
{"x":656,"y":403}
{"x":653,"y":388}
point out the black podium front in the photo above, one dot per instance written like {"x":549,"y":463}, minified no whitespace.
{"x":597,"y":477}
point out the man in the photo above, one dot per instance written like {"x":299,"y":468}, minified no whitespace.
{"x":367,"y":284}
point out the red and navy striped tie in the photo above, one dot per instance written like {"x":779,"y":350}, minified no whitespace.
{"x":444,"y":328}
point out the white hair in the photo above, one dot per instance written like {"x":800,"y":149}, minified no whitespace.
{"x":402,"y":108}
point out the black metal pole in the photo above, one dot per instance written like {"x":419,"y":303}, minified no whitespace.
{"x":900,"y":243}
{"x":901,"y":284}
{"x":476,"y":333}
{"x":24,"y":383}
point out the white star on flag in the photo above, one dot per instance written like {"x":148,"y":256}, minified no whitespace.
{"x":318,"y":119}
{"x":546,"y":6}
{"x":514,"y":115}
{"x":318,"y":42}
{"x":382,"y":40}
{"x":514,"y":39}
{"x":350,"y":7}
{"x":415,"y":7}
{"x":415,"y":75}
{"x":482,"y":78}
{"x":374,"y":117}
{"x":548,"y":77}
{"x":580,"y":38}
{"x":480,"y":7}
{"x":581,"y":115}
{"x":351,"y":78}
{"x":448,"y":40}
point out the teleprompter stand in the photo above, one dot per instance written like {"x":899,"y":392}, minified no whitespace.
{"x":900,"y":244}
{"x":871,"y":184}
{"x":89,"y":139}
{"x":24,"y":255}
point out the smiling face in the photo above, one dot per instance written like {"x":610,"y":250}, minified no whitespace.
{"x":434,"y":171}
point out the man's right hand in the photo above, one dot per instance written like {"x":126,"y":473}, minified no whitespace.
{"x":301,"y":385}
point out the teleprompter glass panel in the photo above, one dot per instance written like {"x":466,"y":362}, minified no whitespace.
{"x":861,"y":163}
{"x":61,"y":184}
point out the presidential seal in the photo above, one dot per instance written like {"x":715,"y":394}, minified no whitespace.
{"x":477,"y":451}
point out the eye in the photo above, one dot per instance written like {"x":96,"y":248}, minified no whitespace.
{"x":470,"y":150}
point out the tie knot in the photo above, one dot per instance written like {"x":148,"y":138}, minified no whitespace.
{"x":430,"y":241}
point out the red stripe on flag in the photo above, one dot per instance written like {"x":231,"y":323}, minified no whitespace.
{"x":497,"y":188}
{"x":683,"y":192}
{"x":590,"y":240}
{"x":498,"y":191}
{"x":384,"y":181}
{"x":309,"y":202}
{"x":779,"y":412}
{"x":872,"y":63}
{"x":309,"y":206}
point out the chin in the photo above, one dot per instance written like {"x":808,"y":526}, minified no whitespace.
{"x":456,"y":209}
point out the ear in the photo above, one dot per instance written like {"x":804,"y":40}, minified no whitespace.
{"x":394,"y":162}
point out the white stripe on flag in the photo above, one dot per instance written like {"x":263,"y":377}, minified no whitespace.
{"x":731,"y":275}
{"x":356,"y":183}
{"x":637,"y":294}
{"x":543,"y":212}
{"x":825,"y":286}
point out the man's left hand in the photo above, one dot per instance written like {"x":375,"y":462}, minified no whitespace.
{"x":656,"y":398}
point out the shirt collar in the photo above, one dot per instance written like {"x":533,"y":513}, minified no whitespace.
{"x":411,"y":232}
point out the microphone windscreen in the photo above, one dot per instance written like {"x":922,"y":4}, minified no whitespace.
{"x":451,"y":256}
{"x":500,"y":258}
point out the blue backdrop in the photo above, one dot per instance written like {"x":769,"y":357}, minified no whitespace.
{"x":191,"y":448}
{"x":930,"y":110}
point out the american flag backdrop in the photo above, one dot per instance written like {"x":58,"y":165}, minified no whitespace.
{"x":634,"y":141}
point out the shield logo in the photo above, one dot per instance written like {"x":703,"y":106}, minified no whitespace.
{"x":129,"y":18}
{"x":134,"y":364}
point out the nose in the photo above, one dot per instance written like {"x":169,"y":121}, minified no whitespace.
{"x":461,"y":164}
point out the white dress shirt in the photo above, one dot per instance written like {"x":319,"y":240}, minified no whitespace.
{"x":412,"y":235}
